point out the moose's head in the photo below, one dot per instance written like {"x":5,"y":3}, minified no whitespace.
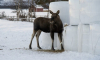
{"x":54,"y":15}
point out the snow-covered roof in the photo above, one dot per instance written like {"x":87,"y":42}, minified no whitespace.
{"x":38,"y":6}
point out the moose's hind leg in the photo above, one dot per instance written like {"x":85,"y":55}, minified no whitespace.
{"x":37,"y":38}
{"x":34,"y":32}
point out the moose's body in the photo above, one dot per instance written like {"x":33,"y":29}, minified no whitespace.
{"x":49,"y":25}
{"x":44,"y":24}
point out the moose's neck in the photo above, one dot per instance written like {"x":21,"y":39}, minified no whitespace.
{"x":56,"y":18}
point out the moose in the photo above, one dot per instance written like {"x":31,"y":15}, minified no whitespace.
{"x":49,"y":25}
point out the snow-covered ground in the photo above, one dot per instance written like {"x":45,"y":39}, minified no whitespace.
{"x":8,"y":12}
{"x":11,"y":12}
{"x":14,"y":41}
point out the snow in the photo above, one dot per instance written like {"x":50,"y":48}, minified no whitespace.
{"x":41,"y":14}
{"x":14,"y":41}
{"x":8,"y":12}
{"x":38,"y":6}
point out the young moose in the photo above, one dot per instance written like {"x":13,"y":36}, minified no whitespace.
{"x":49,"y":25}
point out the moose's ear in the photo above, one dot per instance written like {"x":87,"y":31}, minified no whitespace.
{"x":51,"y":12}
{"x":58,"y":12}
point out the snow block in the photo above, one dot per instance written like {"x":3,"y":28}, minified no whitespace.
{"x":84,"y":11}
{"x":70,"y":37}
{"x":94,"y":44}
{"x":74,"y":12}
{"x":46,"y":41}
{"x":63,"y":6}
{"x":90,"y":11}
{"x":85,"y":34}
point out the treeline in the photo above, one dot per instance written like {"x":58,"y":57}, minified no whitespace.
{"x":46,"y":1}
{"x":27,"y":3}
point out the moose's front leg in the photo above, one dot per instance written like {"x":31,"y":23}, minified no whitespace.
{"x":60,"y":39}
{"x":52,"y":37}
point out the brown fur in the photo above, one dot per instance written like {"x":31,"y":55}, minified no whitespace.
{"x":50,"y":25}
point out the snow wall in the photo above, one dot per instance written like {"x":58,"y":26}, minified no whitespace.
{"x":84,"y":14}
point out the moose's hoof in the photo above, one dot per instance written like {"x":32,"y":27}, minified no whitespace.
{"x":30,"y":47}
{"x":53,"y":49}
{"x":62,"y":49}
{"x":39,"y":47}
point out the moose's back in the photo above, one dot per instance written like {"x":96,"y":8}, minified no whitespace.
{"x":42,"y":23}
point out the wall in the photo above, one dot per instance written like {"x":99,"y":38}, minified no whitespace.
{"x":85,"y":14}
